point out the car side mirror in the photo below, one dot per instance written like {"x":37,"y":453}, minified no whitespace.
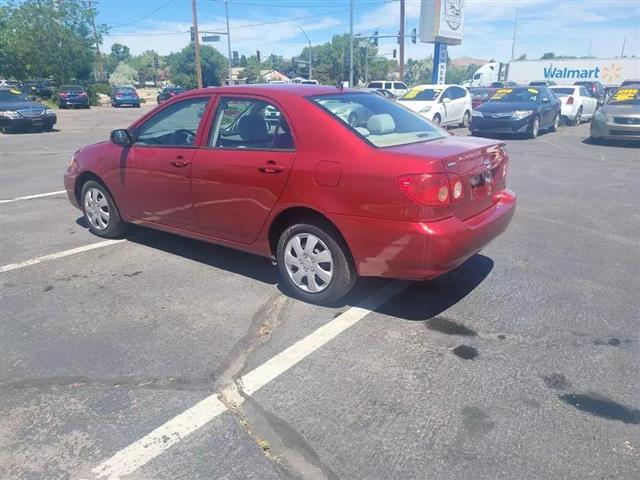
{"x":121,"y":137}
{"x":545,"y":100}
{"x":446,"y":100}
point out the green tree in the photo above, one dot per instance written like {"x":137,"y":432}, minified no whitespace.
{"x":418,"y":71}
{"x":123,"y":75}
{"x":183,"y":71}
{"x":47,"y":38}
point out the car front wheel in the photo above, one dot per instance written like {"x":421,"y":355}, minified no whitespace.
{"x":100,"y":211}
{"x":314,"y":263}
{"x":465,"y":119}
{"x":535,"y":128}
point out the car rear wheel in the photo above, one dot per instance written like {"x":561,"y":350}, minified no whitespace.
{"x":100,"y":211}
{"x":578,"y":118}
{"x":535,"y":128}
{"x":436,"y":119}
{"x":314,"y":263}
{"x":555,"y":124}
{"x":465,"y":119}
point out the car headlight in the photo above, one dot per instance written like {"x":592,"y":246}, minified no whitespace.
{"x":520,"y":114}
{"x":476,"y":113}
{"x":48,"y":111}
{"x":10,"y":114}
{"x":425,"y":110}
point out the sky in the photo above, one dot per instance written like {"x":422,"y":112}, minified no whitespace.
{"x":567,"y":27}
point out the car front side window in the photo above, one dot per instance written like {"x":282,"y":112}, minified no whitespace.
{"x":174,"y":126}
{"x":245,"y":123}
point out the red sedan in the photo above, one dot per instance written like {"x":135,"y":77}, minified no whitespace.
{"x":325,"y":197}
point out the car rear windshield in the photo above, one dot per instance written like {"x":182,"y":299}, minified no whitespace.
{"x":71,"y":88}
{"x":422,"y":94}
{"x":12,"y":96}
{"x":377,"y":120}
{"x":511,"y":95}
{"x":126,"y":90}
{"x":475,"y":93}
{"x":625,"y":96}
{"x":563,"y":92}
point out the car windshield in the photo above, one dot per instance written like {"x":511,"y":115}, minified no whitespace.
{"x":511,"y":95}
{"x":563,"y":92}
{"x":423,"y":94}
{"x":482,"y":93}
{"x":625,"y":96}
{"x":12,"y":96}
{"x":379,"y":121}
{"x":71,"y":88}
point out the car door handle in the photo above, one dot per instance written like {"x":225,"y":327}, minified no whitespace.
{"x":179,"y":162}
{"x":270,"y":167}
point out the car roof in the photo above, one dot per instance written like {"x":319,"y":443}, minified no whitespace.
{"x":277,"y":90}
{"x":436,"y":85}
{"x":564,"y":86}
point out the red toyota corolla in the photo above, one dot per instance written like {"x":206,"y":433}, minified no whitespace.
{"x":329,"y":183}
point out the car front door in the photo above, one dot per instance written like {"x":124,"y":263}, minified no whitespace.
{"x":240,"y":173}
{"x":154,"y":173}
{"x":547,"y":111}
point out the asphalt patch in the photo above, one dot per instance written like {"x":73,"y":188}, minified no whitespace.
{"x":556,"y":381}
{"x":602,"y":407}
{"x":450,"y":327}
{"x":465,"y":352}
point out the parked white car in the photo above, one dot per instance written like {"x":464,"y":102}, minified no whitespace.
{"x":397,"y":88}
{"x":442,"y":104}
{"x":577,"y":103}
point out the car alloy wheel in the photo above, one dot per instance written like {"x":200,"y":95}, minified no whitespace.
{"x":309,"y":262}
{"x":578,"y":117}
{"x":353,"y":120}
{"x":436,"y":119}
{"x":556,"y":123}
{"x":535,"y":127}
{"x":465,"y":119}
{"x":96,"y":208}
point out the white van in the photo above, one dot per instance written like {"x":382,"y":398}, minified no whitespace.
{"x":395,"y":87}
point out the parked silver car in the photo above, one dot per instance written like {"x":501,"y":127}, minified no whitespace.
{"x":619,"y":118}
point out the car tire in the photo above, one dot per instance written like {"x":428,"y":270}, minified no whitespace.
{"x":555,"y":124}
{"x":47,"y":128}
{"x":353,"y":120}
{"x":436,"y":119}
{"x":95,"y":198}
{"x":534,"y":129}
{"x":338,"y":276}
{"x":465,"y":119}
{"x":576,"y":121}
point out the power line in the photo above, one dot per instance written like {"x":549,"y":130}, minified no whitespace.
{"x":142,"y":18}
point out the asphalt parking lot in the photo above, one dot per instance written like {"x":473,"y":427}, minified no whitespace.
{"x":159,"y":357}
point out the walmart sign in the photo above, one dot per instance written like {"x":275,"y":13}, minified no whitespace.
{"x":568,"y":73}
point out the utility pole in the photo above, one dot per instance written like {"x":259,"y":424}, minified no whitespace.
{"x":351,"y":43}
{"x":401,"y":66}
{"x":624,"y":40}
{"x":196,"y":43}
{"x":513,"y":42}
{"x":226,"y":11}
{"x":101,"y":75}
{"x":310,"y":59}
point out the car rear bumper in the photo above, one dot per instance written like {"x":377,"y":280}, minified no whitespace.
{"x":423,"y":250}
{"x":125,"y":101}
{"x":80,"y":102}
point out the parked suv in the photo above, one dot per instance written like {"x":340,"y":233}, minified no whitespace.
{"x":442,"y":104}
{"x":596,"y":89}
{"x":395,"y":87}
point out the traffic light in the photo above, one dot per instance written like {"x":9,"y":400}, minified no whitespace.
{"x":394,"y":53}
{"x":375,"y":38}
{"x":414,"y":35}
{"x":258,"y":55}
{"x":192,"y":33}
{"x":398,"y":38}
{"x":156,"y":62}
{"x":234,"y":59}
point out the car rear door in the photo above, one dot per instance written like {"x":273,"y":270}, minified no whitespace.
{"x":589,"y":102}
{"x":241,"y":171}
{"x":154,"y":174}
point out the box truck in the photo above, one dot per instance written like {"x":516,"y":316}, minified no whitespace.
{"x":608,"y":71}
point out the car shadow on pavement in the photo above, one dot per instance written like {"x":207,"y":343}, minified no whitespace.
{"x":635,"y":144}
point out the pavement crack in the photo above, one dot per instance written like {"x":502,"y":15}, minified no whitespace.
{"x":125,"y":383}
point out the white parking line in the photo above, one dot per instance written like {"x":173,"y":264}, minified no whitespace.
{"x":139,"y":453}
{"x":53,"y":256}
{"x":30,"y":197}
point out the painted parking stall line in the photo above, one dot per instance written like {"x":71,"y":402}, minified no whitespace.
{"x":31,"y":197}
{"x":54,"y":256}
{"x":139,"y":453}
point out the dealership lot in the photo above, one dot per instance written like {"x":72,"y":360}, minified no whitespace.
{"x":522,"y":363}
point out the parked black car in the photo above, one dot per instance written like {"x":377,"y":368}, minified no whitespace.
{"x":17,"y":112}
{"x":596,"y":89}
{"x":168,"y":92}
{"x":71,"y":96}
{"x":503,"y":84}
{"x":518,"y":110}
{"x":542,"y":83}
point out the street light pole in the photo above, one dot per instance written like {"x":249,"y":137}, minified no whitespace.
{"x":226,"y":11}
{"x":196,"y":43}
{"x":310,"y":59}
{"x":401,"y":66}
{"x":351,"y":43}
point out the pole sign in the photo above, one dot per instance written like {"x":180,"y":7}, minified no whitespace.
{"x":210,"y":38}
{"x":439,"y":64}
{"x":442,"y":21}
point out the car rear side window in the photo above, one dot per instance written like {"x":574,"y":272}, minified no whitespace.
{"x":375,"y":85}
{"x":399,"y":86}
{"x":174,"y":126}
{"x":457,"y":92}
{"x":247,"y":123}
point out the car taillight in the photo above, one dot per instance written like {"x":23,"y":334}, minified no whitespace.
{"x":433,"y":189}
{"x":82,"y":94}
{"x":570,"y":101}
